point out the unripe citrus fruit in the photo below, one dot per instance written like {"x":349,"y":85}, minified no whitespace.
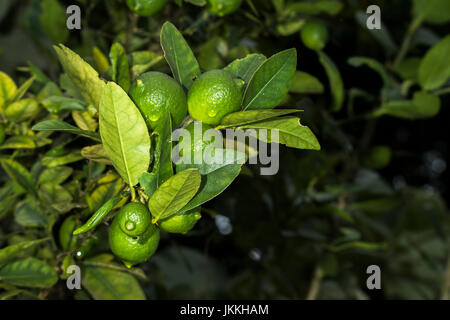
{"x":133,"y":249}
{"x":223,"y":7}
{"x":134,"y":219}
{"x":157,"y":94}
{"x":213,"y":95}
{"x":181,"y":222}
{"x":314,"y":35}
{"x":146,"y":7}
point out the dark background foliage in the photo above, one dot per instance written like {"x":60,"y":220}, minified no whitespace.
{"x":311,"y":230}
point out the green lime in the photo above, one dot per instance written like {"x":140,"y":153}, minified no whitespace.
{"x":2,"y":133}
{"x":146,"y":7}
{"x":377,"y":157}
{"x":157,"y":94}
{"x":133,"y":250}
{"x":314,"y":35}
{"x":213,"y":95}
{"x":66,"y":239}
{"x":181,"y":222}
{"x":134,"y":219}
{"x":223,"y":7}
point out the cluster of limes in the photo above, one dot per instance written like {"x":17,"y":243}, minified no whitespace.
{"x":149,"y":7}
{"x":132,"y":235}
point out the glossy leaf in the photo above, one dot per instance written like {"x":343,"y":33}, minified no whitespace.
{"x":163,"y":151}
{"x":100,"y":61}
{"x":335,"y":80}
{"x":291,"y":132}
{"x":245,"y":68}
{"x":179,"y":55}
{"x":108,"y":187}
{"x":124,"y":134}
{"x":240,"y":118}
{"x":213,"y":184}
{"x":433,"y":11}
{"x":83,"y":76}
{"x":434,"y":69}
{"x":54,"y":161}
{"x":58,"y":125}
{"x":174,"y":194}
{"x":119,"y":66}
{"x":23,"y":88}
{"x":84,"y":120}
{"x":29,"y":272}
{"x":271,"y":82}
{"x":149,"y":181}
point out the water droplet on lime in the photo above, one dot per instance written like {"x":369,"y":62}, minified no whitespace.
{"x":212,"y":113}
{"x":154,"y":117}
{"x":139,"y":83}
{"x":130,"y":225}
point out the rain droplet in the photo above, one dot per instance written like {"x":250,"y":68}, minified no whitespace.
{"x":212,"y":113}
{"x":139,"y":83}
{"x":154,"y":117}
{"x":130,"y":225}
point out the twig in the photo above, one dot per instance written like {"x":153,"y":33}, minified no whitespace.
{"x":315,"y":284}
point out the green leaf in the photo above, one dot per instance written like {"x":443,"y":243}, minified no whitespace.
{"x":433,"y":11}
{"x":149,"y":181}
{"x":124,"y":134}
{"x":330,"y":7}
{"x":291,"y":133}
{"x":8,"y":90}
{"x":305,"y":83}
{"x":29,"y":272}
{"x":120,"y":66}
{"x":19,"y":174}
{"x":18,"y":142}
{"x":142,"y":61}
{"x":54,"y":161}
{"x":245,"y":68}
{"x":29,"y":214}
{"x":240,"y":118}
{"x":96,"y":153}
{"x":24,"y":88}
{"x":163,"y":152}
{"x":55,"y":175}
{"x":423,"y":105}
{"x":55,"y":196}
{"x":22,"y":110}
{"x":335,"y":80}
{"x":53,"y":21}
{"x":9,"y":253}
{"x":179,"y":55}
{"x":408,"y":68}
{"x":97,"y":217}
{"x":84,"y":120}
{"x":434,"y":70}
{"x":109,"y":284}
{"x":108,"y":187}
{"x":174,"y":194}
{"x":83,"y":76}
{"x":100,"y":61}
{"x":271,"y":82}
{"x":373,"y":64}
{"x":213,"y":184}
{"x":58,"y":125}
{"x":290,"y":27}
{"x":211,"y":52}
